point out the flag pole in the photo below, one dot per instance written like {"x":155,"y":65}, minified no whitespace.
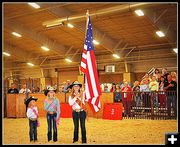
{"x":87,"y":15}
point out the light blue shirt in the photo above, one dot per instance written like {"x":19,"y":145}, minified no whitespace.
{"x":49,"y":107}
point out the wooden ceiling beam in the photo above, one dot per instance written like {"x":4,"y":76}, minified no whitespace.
{"x":17,"y":52}
{"x":105,"y":58}
{"x":97,"y":13}
{"x":38,"y":37}
{"x":106,"y":41}
{"x":159,"y":23}
{"x":105,"y":62}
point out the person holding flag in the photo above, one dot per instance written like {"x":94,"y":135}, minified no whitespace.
{"x":77,"y":101}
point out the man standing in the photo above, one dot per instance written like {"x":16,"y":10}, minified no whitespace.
{"x":24,"y":90}
{"x":165,"y":74}
{"x":171,"y":92}
{"x":13,"y":89}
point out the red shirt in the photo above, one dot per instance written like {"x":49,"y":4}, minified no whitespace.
{"x":127,"y":95}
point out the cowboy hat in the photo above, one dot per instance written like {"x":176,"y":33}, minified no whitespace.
{"x":75,"y":83}
{"x":49,"y":89}
{"x":28,"y":100}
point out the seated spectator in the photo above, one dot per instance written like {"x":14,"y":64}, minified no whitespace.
{"x":13,"y":89}
{"x":24,"y":89}
{"x":173,"y":75}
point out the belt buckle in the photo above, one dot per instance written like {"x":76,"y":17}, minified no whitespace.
{"x":78,"y":110}
{"x":33,"y":119}
{"x":51,"y":112}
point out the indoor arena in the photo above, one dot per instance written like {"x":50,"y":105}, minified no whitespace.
{"x":89,"y":73}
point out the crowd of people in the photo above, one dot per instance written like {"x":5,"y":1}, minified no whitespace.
{"x":160,"y":87}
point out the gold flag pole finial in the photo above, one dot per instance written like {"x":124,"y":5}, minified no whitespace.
{"x":87,"y":13}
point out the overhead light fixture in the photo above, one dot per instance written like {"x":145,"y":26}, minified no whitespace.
{"x":70,"y":25}
{"x":16,"y":34}
{"x":53,"y":24}
{"x":139,"y":12}
{"x":30,"y":64}
{"x":160,"y":33}
{"x":36,"y":6}
{"x":116,"y":56}
{"x":95,"y":42}
{"x":7,"y":54}
{"x":175,"y":50}
{"x":45,"y":48}
{"x":68,"y":60}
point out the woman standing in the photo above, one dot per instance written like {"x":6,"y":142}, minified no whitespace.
{"x":52,"y":106}
{"x":76,"y":100}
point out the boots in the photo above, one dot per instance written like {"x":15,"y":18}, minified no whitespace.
{"x":49,"y":136}
{"x":55,"y":136}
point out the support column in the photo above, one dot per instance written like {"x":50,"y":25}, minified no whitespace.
{"x":58,"y":75}
{"x":10,"y":79}
{"x":130,"y":77}
{"x":81,"y":77}
{"x":128,"y":67}
{"x":42,"y":83}
{"x":81,"y":80}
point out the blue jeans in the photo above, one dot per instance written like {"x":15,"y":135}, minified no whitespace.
{"x":51,"y":119}
{"x":154,"y":97}
{"x":79,"y":116}
{"x":171,"y":99}
{"x":137,"y":99}
{"x":33,"y":130}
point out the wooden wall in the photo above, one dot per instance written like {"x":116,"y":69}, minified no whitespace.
{"x":110,"y":78}
{"x":15,"y":106}
{"x":71,"y":75}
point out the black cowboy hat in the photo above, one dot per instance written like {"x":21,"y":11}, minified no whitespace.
{"x":74,"y":83}
{"x":49,"y":89}
{"x":27,"y":101}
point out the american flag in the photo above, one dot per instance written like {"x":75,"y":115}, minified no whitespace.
{"x":89,"y":68}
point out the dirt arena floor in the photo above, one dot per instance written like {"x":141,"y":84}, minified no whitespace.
{"x":99,"y":131}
